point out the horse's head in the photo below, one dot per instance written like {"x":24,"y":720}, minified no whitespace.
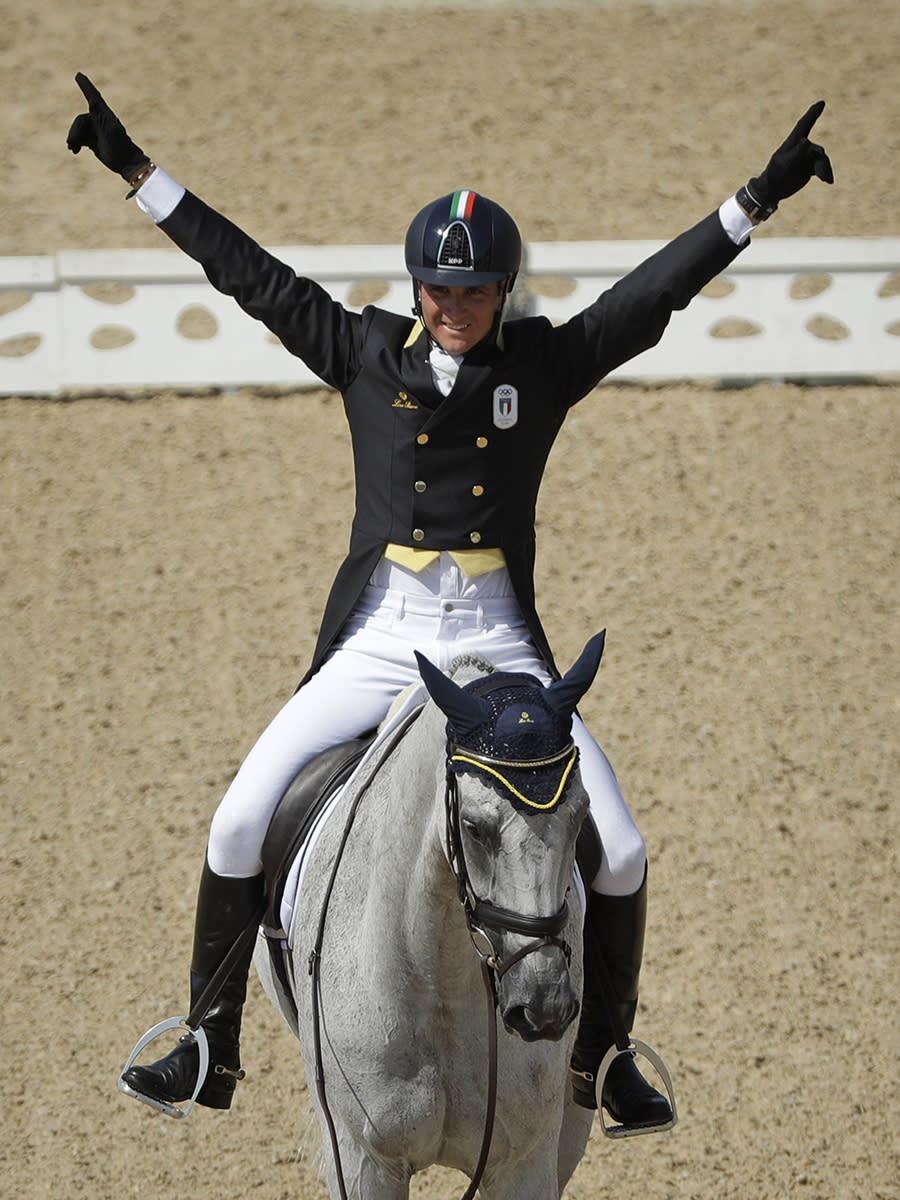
{"x":515,"y":805}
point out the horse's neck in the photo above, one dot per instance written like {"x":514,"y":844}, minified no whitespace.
{"x":413,"y":880}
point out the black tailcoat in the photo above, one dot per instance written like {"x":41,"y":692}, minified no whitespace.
{"x":448,"y":473}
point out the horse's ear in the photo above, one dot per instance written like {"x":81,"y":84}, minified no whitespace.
{"x":565,"y":693}
{"x":464,"y":711}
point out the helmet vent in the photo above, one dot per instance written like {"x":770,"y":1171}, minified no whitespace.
{"x":456,"y":248}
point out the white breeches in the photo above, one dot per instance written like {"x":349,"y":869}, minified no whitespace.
{"x":442,"y":614}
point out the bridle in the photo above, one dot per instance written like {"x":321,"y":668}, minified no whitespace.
{"x":482,"y":917}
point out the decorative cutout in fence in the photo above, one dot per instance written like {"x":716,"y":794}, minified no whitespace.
{"x":789,"y":308}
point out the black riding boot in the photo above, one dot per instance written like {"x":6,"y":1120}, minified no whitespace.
{"x":224,"y":909}
{"x":614,"y":932}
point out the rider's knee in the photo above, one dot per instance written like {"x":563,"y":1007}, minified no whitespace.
{"x":235,"y":843}
{"x":623,"y":867}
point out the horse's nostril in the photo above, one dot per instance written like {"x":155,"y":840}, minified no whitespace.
{"x":517,"y":1017}
{"x":520,"y":1019}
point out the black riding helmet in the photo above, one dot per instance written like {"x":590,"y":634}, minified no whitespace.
{"x":463,"y":240}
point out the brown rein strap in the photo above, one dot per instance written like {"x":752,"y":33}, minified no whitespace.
{"x":492,"y":1082}
{"x":315,"y":956}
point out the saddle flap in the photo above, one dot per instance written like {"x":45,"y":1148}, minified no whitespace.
{"x":297,"y":810}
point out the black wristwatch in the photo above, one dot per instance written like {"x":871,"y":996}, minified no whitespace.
{"x":752,"y":207}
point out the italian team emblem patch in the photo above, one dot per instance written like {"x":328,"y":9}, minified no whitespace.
{"x":506,"y":406}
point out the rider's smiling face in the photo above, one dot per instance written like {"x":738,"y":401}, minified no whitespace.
{"x":458,"y":318}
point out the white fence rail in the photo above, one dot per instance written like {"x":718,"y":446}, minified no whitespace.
{"x":788,"y":308}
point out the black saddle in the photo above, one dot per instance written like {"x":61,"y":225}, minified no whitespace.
{"x":305,"y":797}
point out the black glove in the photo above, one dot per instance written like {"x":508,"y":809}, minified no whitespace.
{"x":102,"y":131}
{"x":789,"y":169}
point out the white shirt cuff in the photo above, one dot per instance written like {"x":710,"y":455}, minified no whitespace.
{"x":734,"y":220}
{"x":159,"y":195}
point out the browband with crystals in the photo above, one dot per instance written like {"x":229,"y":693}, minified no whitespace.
{"x":485,"y":762}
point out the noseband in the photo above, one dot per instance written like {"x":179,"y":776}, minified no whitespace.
{"x":482,"y":917}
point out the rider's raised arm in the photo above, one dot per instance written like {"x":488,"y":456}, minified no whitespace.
{"x":309,"y":323}
{"x":632,"y":316}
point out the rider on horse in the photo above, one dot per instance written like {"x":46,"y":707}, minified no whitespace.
{"x":452,"y":413}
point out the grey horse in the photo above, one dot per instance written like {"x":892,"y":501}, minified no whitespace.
{"x":443,"y":886}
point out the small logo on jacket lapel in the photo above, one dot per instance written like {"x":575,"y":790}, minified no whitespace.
{"x":506,"y":406}
{"x":403,"y":401}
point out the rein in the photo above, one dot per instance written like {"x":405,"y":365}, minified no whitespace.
{"x":315,"y":957}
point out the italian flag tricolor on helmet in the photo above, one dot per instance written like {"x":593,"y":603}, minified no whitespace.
{"x":462,"y":240}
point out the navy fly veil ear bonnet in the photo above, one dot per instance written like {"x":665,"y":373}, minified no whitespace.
{"x":513,"y":730}
{"x":524,"y":745}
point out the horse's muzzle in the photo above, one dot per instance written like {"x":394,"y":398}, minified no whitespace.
{"x":538,"y":1005}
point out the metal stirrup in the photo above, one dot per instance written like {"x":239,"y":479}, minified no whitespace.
{"x":165,"y":1106}
{"x":192,"y":1026}
{"x":634,"y":1047}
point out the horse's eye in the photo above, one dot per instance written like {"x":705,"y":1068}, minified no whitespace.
{"x":475,"y":831}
